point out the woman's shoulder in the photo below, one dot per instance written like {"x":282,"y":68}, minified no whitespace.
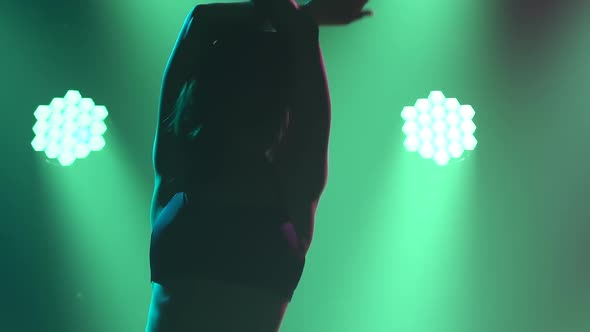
{"x":225,"y":13}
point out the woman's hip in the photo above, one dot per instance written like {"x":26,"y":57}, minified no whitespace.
{"x":208,"y":305}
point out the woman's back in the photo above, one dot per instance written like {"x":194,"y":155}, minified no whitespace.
{"x":233,"y":118}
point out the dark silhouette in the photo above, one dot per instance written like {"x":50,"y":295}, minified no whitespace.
{"x":240,"y":158}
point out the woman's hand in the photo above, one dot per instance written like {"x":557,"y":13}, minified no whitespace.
{"x":287,"y":17}
{"x":337,"y":12}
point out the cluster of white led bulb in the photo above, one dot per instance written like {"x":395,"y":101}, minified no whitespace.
{"x":69,"y":128}
{"x":436,"y":127}
{"x":439,"y":128}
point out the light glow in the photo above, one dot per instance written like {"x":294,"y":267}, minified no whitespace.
{"x":69,"y":128}
{"x":439,"y":128}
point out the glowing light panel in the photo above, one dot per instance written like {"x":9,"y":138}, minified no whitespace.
{"x":69,"y":128}
{"x":439,"y":128}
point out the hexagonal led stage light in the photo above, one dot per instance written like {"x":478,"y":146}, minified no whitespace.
{"x":439,"y":128}
{"x":69,"y":128}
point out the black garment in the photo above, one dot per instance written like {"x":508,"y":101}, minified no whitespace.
{"x":239,"y":99}
{"x":240,"y":86}
{"x":254,"y":247}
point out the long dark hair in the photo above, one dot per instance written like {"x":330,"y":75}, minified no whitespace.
{"x":242,"y":85}
{"x":180,"y":119}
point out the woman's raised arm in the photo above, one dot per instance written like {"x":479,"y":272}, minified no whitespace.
{"x":301,"y":157}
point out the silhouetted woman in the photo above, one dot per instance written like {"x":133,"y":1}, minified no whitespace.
{"x":240,"y":158}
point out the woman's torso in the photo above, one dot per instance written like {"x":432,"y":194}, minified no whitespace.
{"x":239,"y":114}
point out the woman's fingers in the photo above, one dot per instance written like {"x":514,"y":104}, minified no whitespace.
{"x":338,"y":12}
{"x":366,"y":13}
{"x":362,"y":14}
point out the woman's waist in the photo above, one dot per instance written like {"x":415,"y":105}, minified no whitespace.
{"x":223,"y":169}
{"x":233,"y":188}
{"x":232,"y":216}
{"x":226,"y":160}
